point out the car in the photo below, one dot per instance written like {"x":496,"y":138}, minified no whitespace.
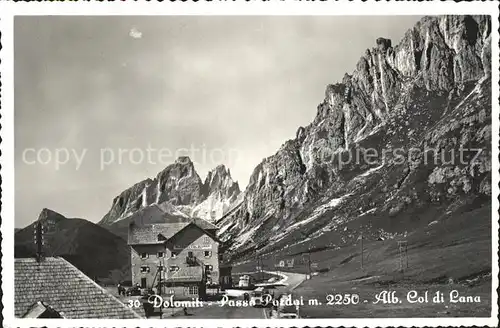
{"x":289,"y":312}
{"x":261,"y":297}
{"x":133,"y":291}
{"x":256,"y":299}
{"x":289,"y":316}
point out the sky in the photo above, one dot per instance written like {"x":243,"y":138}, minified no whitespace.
{"x":103,"y":102}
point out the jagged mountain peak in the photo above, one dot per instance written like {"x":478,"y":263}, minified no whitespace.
{"x":219,"y":179}
{"x":185,"y":160}
{"x":221,"y":169}
{"x":220,"y":192}
{"x":181,"y":187}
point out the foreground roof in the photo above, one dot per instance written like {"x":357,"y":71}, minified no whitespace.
{"x":40,"y":310}
{"x":65,"y":289}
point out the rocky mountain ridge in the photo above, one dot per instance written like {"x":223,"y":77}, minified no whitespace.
{"x":179,"y":186}
{"x":433,"y":89}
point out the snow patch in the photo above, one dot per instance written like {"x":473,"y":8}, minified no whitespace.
{"x":210,"y":209}
{"x":359,"y":135}
{"x":370,"y":171}
{"x":243,"y":238}
{"x":225,"y":228}
{"x":369,"y":211}
{"x":476,"y":89}
{"x":318,"y":212}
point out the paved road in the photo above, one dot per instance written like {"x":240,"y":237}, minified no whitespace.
{"x":218,"y":312}
{"x":291,"y":280}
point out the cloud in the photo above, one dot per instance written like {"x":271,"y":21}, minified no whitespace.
{"x":135,"y":33}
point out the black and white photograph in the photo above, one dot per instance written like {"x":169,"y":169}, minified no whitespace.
{"x":193,"y":167}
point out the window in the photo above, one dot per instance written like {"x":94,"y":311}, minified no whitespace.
{"x":144,"y":269}
{"x":174,"y":254}
{"x":193,"y":290}
{"x":144,"y":255}
{"x":143,"y":283}
{"x":160,"y":254}
{"x":206,"y":240}
{"x":208,"y":270}
{"x":208,"y":253}
{"x":174,"y":268}
{"x":191,"y":260}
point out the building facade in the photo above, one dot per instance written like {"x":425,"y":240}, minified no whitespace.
{"x":183,"y":256}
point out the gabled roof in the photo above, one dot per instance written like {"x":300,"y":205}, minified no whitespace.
{"x":149,"y":214}
{"x":162,"y":226}
{"x":156,"y":234}
{"x":148,"y":234}
{"x":210,"y":234}
{"x":68,"y":291}
{"x":204,"y":224}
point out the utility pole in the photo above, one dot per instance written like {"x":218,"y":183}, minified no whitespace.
{"x":173,"y":288}
{"x":259,"y":266}
{"x":403,"y":255}
{"x":361,"y":250}
{"x":276,"y":264}
{"x":309,"y":262}
{"x":160,"y":268}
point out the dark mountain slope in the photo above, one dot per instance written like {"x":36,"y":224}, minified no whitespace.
{"x":91,"y":248}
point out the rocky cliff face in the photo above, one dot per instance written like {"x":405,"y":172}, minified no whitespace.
{"x":432,"y":90}
{"x":180,"y":187}
{"x":219,"y":192}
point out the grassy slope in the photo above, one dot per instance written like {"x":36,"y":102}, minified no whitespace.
{"x":457,"y":247}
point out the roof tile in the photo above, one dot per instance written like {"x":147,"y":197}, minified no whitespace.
{"x":57,"y":283}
